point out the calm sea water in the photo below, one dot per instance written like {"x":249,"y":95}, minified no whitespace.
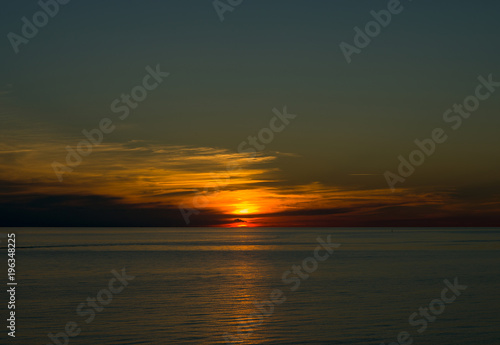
{"x":193,"y":286}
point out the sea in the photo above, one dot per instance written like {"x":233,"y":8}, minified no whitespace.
{"x":252,"y":286}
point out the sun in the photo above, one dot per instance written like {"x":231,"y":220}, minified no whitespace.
{"x":244,"y":208}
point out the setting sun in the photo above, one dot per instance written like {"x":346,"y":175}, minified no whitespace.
{"x":245,"y":208}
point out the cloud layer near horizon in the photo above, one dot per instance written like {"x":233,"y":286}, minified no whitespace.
{"x":140,"y":183}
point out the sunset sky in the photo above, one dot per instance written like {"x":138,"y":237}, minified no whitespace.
{"x":171,"y":154}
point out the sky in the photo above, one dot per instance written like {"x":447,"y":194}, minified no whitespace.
{"x":178,"y":159}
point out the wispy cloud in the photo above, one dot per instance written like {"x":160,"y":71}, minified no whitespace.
{"x":141,"y":175}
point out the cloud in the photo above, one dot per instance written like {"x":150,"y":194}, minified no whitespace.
{"x":142,"y":183}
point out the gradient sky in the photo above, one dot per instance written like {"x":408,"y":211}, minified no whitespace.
{"x":325,"y":169}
